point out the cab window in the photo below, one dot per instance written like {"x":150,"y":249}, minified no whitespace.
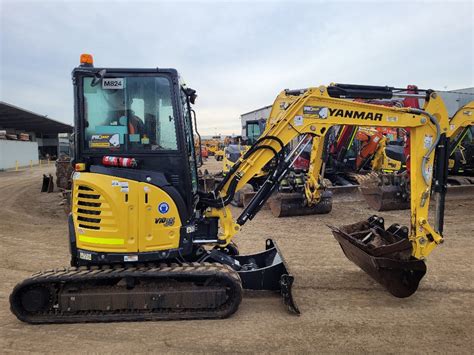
{"x":129,"y":114}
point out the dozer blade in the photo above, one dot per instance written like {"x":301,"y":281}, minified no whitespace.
{"x":294,"y":204}
{"x":383,"y":254}
{"x":384,"y":198}
{"x":267,"y":270}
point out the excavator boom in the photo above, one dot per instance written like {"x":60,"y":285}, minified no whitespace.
{"x":311,"y":112}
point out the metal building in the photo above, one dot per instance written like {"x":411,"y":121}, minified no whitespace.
{"x":26,"y":137}
{"x":455,"y":99}
{"x":252,"y":121}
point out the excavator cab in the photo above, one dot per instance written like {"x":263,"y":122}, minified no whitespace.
{"x":140,"y":114}
{"x":145,"y":116}
{"x":134,"y":149}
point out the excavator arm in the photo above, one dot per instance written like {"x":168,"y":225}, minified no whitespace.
{"x":461,"y":120}
{"x":310,"y":113}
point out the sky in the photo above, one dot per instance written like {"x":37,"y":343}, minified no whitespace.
{"x":238,"y":55}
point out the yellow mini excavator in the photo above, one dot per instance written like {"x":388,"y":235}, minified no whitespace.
{"x":146,"y":244}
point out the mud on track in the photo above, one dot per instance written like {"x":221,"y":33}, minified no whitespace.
{"x":343,"y":310}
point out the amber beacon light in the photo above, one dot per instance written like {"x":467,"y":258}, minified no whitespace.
{"x":87,"y":60}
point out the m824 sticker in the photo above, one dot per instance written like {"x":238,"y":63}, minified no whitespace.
{"x":113,"y":84}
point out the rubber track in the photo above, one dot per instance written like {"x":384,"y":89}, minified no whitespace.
{"x":94,"y":273}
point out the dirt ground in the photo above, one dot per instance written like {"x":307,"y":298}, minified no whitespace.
{"x":343,"y":310}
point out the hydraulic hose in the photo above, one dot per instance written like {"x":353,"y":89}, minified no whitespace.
{"x":432,"y":147}
{"x":232,"y":172}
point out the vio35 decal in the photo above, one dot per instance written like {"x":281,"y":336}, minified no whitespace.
{"x":167,"y":222}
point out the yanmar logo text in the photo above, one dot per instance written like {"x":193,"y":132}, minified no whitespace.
{"x":361,"y":115}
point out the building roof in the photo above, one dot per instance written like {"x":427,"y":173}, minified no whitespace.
{"x":258,"y":109}
{"x":23,"y":120}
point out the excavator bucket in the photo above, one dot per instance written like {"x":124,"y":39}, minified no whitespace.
{"x":48,"y":183}
{"x":267,"y":270}
{"x":294,"y":204}
{"x":385,"y":192}
{"x":384,"y":254}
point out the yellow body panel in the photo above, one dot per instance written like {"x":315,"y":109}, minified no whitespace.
{"x":227,"y":163}
{"x":114,"y":214}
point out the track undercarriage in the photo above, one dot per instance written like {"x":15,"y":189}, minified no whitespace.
{"x":141,"y":292}
{"x":106,"y":294}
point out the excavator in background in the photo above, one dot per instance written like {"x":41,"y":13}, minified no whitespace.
{"x":353,"y":155}
{"x":220,"y":154}
{"x":362,"y":157}
{"x":288,"y":199}
{"x":213,"y":144}
{"x":376,"y":152}
{"x":388,"y":186}
{"x":146,"y":244}
{"x":461,"y":158}
{"x":347,"y":152}
{"x":385,"y":185}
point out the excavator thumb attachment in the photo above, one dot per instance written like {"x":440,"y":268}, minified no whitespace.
{"x":384,"y":254}
{"x":267,"y":270}
{"x":294,"y":204}
{"x":385,"y":192}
